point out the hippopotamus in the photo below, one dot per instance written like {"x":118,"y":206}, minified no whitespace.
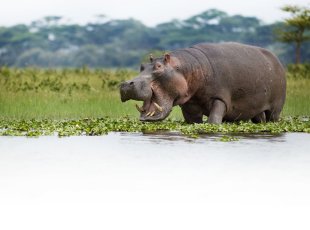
{"x":226,"y":82}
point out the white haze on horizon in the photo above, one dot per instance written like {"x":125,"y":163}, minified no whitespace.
{"x":150,"y":13}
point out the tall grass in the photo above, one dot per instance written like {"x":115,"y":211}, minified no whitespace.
{"x":67,"y":93}
{"x":79,"y":93}
{"x":297,"y":97}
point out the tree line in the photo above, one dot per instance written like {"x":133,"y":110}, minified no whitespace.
{"x":125,"y":43}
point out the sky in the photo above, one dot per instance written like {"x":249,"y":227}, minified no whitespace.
{"x":150,"y":12}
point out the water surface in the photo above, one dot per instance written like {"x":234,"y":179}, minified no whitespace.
{"x":136,"y":181}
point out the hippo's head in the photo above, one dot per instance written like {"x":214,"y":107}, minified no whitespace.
{"x":160,"y":85}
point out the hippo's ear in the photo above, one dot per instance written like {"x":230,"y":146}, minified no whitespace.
{"x":151,"y":58}
{"x":166,"y":58}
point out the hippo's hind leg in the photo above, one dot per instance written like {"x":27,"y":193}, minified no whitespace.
{"x":217,"y":112}
{"x":192,"y":112}
{"x":259,"y":118}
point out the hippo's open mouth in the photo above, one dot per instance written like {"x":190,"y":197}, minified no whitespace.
{"x":156,"y":108}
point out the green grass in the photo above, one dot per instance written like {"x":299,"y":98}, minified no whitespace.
{"x":80,"y":93}
{"x":31,"y":105}
{"x":64,"y":94}
{"x":297,"y":97}
{"x":38,"y":105}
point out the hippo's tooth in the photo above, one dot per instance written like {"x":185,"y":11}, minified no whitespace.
{"x":152,"y":114}
{"x":148,"y":114}
{"x":139,"y":109}
{"x":158,"y":107}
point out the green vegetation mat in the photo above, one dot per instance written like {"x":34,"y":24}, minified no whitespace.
{"x":101,"y":126}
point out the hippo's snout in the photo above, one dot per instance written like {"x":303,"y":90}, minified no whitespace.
{"x":136,"y":90}
{"x":127,"y":90}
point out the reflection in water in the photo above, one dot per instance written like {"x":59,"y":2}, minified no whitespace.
{"x":155,"y":181}
{"x":175,"y":137}
{"x":158,"y":137}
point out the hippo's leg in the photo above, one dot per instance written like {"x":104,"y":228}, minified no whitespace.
{"x":192,"y":113}
{"x":217,"y":112}
{"x":259,"y":118}
{"x":272,"y":115}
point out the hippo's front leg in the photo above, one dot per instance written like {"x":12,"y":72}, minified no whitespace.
{"x":217,"y":113}
{"x":192,"y":112}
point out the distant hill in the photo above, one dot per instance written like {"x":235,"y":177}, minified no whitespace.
{"x":123,"y":43}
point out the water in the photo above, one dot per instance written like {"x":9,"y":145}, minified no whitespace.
{"x":136,"y":181}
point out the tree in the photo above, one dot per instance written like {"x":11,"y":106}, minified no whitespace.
{"x":296,"y":27}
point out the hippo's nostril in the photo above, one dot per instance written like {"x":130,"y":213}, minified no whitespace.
{"x":131,"y":83}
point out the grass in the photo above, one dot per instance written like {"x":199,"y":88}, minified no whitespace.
{"x":297,"y":97}
{"x":80,"y":105}
{"x":79,"y":93}
{"x":32,"y":97}
{"x":39,"y":105}
{"x":58,"y":94}
{"x":64,"y":94}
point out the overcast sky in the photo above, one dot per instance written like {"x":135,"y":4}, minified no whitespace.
{"x":150,"y":12}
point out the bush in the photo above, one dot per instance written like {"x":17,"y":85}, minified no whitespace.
{"x":298,"y":71}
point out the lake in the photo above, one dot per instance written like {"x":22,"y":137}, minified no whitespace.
{"x":155,"y":181}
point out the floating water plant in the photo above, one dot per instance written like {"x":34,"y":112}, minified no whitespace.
{"x":102,"y":126}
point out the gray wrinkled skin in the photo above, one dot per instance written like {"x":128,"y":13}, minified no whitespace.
{"x":226,"y":82}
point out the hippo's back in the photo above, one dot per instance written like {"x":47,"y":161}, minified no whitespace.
{"x":247,"y":78}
